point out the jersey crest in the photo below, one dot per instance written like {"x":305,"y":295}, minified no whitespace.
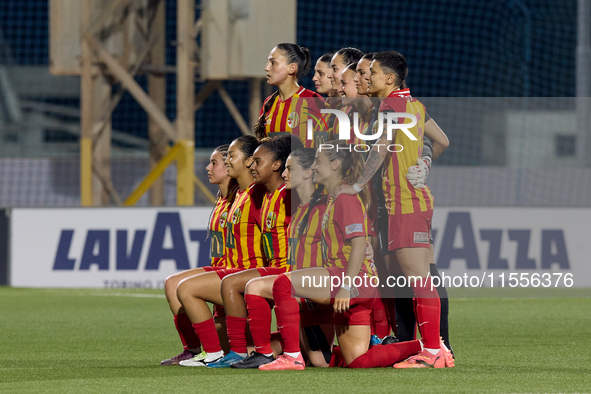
{"x":223,"y":218}
{"x":271,"y":220}
{"x":325,"y":221}
{"x":293,"y":120}
{"x":236,"y":216}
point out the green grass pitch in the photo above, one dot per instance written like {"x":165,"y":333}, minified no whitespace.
{"x":80,"y":341}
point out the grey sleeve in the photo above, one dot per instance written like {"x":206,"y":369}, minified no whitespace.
{"x":427,"y":143}
{"x":427,"y":147}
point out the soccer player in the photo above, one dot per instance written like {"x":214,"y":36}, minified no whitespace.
{"x":417,"y":176}
{"x":347,"y":259}
{"x":359,"y":103}
{"x":321,"y":81}
{"x":304,"y":252}
{"x":340,"y":60}
{"x":409,"y":210}
{"x":268,"y":165}
{"x":218,"y":175}
{"x":243,"y":251}
{"x":287,"y":110}
{"x":402,"y":314}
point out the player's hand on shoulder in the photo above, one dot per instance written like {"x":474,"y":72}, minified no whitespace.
{"x":417,"y":174}
{"x":343,"y":189}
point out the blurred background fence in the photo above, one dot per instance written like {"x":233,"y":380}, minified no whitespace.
{"x":498,"y":76}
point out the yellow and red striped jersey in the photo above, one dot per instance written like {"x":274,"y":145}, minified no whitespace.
{"x":345,"y":218}
{"x":306,"y":251}
{"x":275,"y":218}
{"x":401,"y":197}
{"x":243,"y":232}
{"x":291,"y":116}
{"x":217,"y":227}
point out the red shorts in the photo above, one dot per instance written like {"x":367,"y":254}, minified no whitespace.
{"x":312,"y":314}
{"x":360,"y":307}
{"x":269,"y":271}
{"x":222,"y":273}
{"x":409,"y":230}
{"x":211,"y":269}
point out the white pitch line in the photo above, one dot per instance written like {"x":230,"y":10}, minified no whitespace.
{"x":140,"y":295}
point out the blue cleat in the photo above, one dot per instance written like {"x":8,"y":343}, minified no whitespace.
{"x":374,"y":341}
{"x":226,"y":361}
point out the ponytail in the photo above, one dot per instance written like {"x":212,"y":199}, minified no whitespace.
{"x":259,"y":127}
{"x":294,"y":54}
{"x":317,"y":197}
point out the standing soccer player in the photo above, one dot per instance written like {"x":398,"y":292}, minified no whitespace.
{"x":409,"y":210}
{"x":218,"y":175}
{"x":321,"y":81}
{"x":287,"y":110}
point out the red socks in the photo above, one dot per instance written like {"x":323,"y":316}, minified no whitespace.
{"x":259,"y":316}
{"x":186,"y":333}
{"x":236,"y":327}
{"x":427,"y":311}
{"x":379,"y":319}
{"x":208,"y":335}
{"x":337,"y":359}
{"x":383,"y":356}
{"x":287,"y":311}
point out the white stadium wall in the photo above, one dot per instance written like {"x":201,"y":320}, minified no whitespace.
{"x":140,"y":247}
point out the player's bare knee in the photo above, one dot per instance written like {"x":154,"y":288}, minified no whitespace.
{"x":183,"y":290}
{"x":228,"y":286}
{"x":254,"y":286}
{"x":170,"y":285}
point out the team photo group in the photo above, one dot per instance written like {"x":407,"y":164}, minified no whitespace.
{"x":319,"y":228}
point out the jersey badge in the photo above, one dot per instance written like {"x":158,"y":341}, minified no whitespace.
{"x":271,"y":220}
{"x":293,"y":120}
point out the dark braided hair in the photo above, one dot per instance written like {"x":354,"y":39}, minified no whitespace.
{"x":280,"y":147}
{"x":294,"y":54}
{"x":305,"y":157}
{"x":368,"y":56}
{"x":327,"y":57}
{"x":247,"y":144}
{"x":350,"y":55}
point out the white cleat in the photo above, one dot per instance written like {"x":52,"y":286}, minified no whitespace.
{"x":201,"y":359}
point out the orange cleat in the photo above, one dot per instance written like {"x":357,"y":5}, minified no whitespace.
{"x":423,"y":360}
{"x":285,"y":363}
{"x":447,"y":356}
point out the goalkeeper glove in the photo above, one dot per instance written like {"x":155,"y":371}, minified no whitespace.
{"x":417,"y":175}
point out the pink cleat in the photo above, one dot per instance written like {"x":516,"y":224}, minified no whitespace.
{"x":447,"y":356}
{"x":285,"y":363}
{"x":423,"y":360}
